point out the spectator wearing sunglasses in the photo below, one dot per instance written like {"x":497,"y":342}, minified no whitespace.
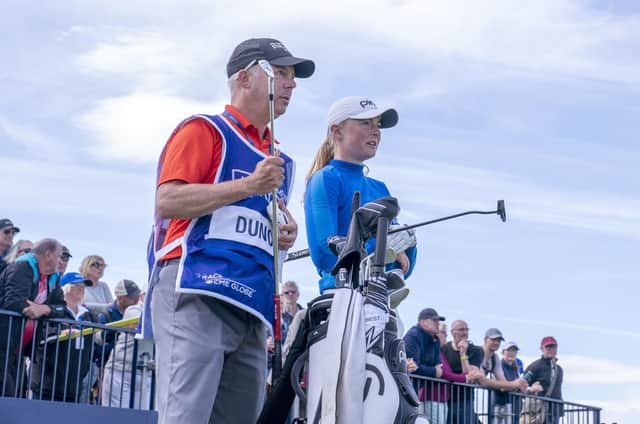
{"x":7,"y":231}
{"x":63,"y":261}
{"x":290,"y":305}
{"x":20,"y":248}
{"x":99,"y":296}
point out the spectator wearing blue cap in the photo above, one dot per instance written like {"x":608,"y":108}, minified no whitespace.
{"x":66,"y":358}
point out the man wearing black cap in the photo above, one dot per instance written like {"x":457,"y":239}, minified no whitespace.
{"x":423,"y":346}
{"x":211,"y":290}
{"x":7,"y":231}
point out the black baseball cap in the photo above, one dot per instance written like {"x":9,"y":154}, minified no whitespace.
{"x":6,"y":223}
{"x":429,"y":313}
{"x":271,"y":50}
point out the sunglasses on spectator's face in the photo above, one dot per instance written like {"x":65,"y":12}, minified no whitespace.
{"x":23,"y":251}
{"x":99,"y":265}
{"x":11,"y":231}
{"x":65,"y":258}
{"x":290,"y":292}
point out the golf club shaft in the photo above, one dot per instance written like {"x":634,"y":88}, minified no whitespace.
{"x":277,"y":335}
{"x":305,"y":252}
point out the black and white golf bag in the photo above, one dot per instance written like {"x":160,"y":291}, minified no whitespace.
{"x":354,"y":367}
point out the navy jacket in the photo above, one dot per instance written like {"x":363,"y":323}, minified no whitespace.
{"x":424,"y":348}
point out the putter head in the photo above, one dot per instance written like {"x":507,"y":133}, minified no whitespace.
{"x":501,"y":211}
{"x":266,"y":67}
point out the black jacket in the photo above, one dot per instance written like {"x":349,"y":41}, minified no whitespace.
{"x":17,"y":285}
{"x":60,"y":366}
{"x":540,"y":370}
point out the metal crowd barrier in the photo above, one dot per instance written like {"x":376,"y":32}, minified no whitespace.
{"x":445,"y":402}
{"x":74,"y":361}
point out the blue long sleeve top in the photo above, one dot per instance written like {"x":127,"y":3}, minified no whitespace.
{"x":327,"y":207}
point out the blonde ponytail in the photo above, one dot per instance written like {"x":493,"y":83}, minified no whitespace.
{"x":323,"y":156}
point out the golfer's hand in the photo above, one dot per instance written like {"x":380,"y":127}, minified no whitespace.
{"x":287,"y":233}
{"x":403,"y":260}
{"x":268,"y":175}
{"x":270,"y":344}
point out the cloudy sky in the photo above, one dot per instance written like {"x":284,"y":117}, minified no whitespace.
{"x":536,"y":103}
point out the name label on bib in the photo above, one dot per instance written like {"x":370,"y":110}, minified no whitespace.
{"x":244,"y":225}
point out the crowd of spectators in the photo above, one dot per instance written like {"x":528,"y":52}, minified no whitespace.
{"x":491,"y":365}
{"x":66,"y":360}
{"x":97,"y":367}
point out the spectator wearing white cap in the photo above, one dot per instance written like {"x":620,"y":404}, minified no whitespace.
{"x":116,"y":381}
{"x":492,"y":365}
{"x":506,"y":410}
{"x":127,"y":294}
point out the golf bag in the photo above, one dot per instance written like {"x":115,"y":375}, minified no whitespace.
{"x":354,"y":362}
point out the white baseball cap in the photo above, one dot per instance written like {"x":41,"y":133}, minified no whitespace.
{"x":355,"y":107}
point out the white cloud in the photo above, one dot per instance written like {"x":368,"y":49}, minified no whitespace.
{"x":135,"y":127}
{"x":33,"y":141}
{"x":586,"y":370}
{"x":558,"y":37}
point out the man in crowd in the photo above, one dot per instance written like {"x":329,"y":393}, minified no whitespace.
{"x":422,"y":345}
{"x":7,"y":231}
{"x":549,"y":375}
{"x":30,"y":286}
{"x":493,"y":374}
{"x":212,"y":302}
{"x":61,"y":269}
{"x":462,"y":355}
{"x":492,"y":365}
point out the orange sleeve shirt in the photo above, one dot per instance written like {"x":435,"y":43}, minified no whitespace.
{"x":193,"y":156}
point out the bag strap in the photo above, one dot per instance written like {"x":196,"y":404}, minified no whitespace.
{"x":554,"y":378}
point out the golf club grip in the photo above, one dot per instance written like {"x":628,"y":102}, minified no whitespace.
{"x":276,"y":366}
{"x":380,"y":252}
{"x":277,"y":338}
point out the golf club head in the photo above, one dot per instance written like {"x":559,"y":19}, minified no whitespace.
{"x":266,"y":67}
{"x":501,"y":211}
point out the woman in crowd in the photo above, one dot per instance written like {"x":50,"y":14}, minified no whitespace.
{"x":18,"y":249}
{"x":99,"y":295}
{"x":338,"y":171}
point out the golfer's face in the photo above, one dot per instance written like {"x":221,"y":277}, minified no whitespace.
{"x":360,"y":139}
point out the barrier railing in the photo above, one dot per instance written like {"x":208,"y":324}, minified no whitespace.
{"x":74,"y":361}
{"x":459,"y":403}
{"x":86,"y":362}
